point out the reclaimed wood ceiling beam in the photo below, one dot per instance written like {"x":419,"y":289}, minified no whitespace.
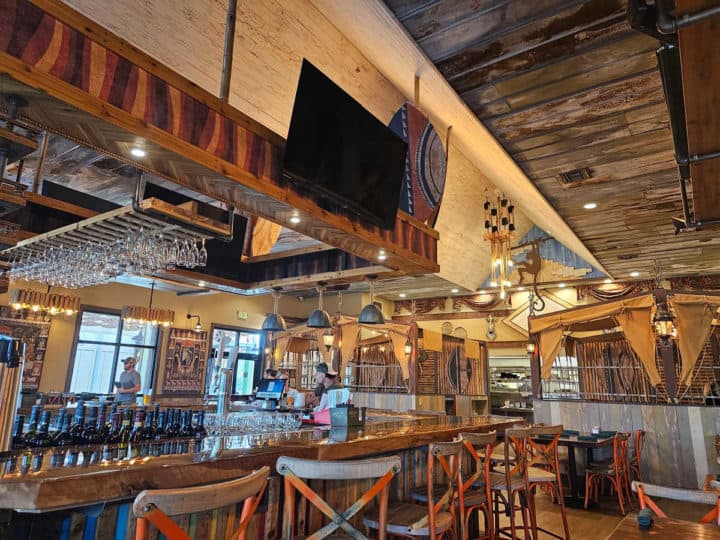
{"x":700,"y":61}
{"x":375,"y":30}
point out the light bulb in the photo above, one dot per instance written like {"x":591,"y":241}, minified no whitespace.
{"x":35,"y":308}
{"x":16,"y":305}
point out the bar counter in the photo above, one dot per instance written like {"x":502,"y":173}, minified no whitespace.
{"x":63,"y":492}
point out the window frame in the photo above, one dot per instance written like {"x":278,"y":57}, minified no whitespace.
{"x":117,"y":344}
{"x":259,"y":367}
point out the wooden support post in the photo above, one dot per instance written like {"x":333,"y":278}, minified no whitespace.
{"x":226,"y":74}
{"x":417,"y":91}
{"x":37,"y":181}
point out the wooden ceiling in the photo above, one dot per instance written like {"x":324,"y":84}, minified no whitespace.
{"x":566,"y":85}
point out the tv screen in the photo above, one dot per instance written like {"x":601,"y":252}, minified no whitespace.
{"x":340,"y":155}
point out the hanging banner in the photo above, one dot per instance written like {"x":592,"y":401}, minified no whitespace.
{"x":184,"y":371}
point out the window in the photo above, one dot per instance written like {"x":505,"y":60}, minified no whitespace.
{"x":242,"y":350}
{"x":102,"y":340}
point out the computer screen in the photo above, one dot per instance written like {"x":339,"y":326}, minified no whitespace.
{"x":270,"y":388}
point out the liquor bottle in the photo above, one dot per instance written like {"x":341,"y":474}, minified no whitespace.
{"x":59,"y":420}
{"x":18,"y":441}
{"x":41,"y":438}
{"x":185,"y":436}
{"x":90,"y":435}
{"x":32,"y":428}
{"x":78,"y":424}
{"x":147,"y":435}
{"x":124,"y":436}
{"x":168,"y":436}
{"x":136,"y":433}
{"x":103,"y":425}
{"x":199,"y":433}
{"x":62,"y":440}
{"x":113,"y":438}
{"x":158,"y":433}
{"x":172,"y":431}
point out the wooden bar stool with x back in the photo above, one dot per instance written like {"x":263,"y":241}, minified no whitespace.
{"x":511,"y":478}
{"x":544,"y":472}
{"x":476,"y":498}
{"x":296,"y":471}
{"x":155,"y":506}
{"x":435,"y":518}
{"x":616,"y":472}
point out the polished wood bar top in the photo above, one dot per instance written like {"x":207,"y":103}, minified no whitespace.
{"x":223,"y":458}
{"x":676,"y":529}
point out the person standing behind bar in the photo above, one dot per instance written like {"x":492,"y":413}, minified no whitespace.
{"x":129,"y":383}
{"x":313,"y":398}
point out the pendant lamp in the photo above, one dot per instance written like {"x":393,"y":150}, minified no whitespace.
{"x":274,"y":322}
{"x":371,"y":314}
{"x":319,"y":318}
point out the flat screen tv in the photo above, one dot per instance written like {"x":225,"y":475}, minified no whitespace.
{"x":340,"y":155}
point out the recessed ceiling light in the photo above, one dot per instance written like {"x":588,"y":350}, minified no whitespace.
{"x":561,"y":285}
{"x":382,"y":255}
{"x":295,"y":218}
{"x":590,"y":206}
{"x":634,"y":274}
{"x":201,"y":283}
{"x":482,"y":292}
{"x":402,"y":295}
{"x":455,"y":291}
{"x":607,"y":280}
{"x":521,"y":288}
{"x":138,"y":152}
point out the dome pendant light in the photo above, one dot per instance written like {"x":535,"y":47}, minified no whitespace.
{"x":274,"y":322}
{"x":371,"y":314}
{"x":319,"y":318}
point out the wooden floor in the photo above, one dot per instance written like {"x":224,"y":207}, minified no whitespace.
{"x":600,"y":521}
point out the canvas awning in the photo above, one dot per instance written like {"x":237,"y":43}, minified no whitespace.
{"x":633,"y":315}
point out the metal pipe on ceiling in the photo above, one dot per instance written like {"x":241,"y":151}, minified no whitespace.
{"x":667,"y":24}
{"x":227,"y":62}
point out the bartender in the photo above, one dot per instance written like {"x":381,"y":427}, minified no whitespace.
{"x":330,"y":382}
{"x":129,"y":383}
{"x":313,"y":398}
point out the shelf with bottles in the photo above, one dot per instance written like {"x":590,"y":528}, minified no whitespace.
{"x":100,"y":435}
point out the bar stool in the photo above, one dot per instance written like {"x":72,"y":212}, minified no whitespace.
{"x":512,"y":478}
{"x":480,"y":447}
{"x":544,"y":472}
{"x":639,"y":442}
{"x":154,"y":506}
{"x":435,"y":518}
{"x":295,"y":470}
{"x":616,"y":472}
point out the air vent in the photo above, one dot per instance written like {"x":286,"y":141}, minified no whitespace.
{"x":627,"y":257}
{"x":568,"y":178}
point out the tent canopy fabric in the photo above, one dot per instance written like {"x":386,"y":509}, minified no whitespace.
{"x":694,"y":314}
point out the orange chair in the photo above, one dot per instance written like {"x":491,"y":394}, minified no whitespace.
{"x":435,"y":518}
{"x":616,"y":472}
{"x":480,"y":447}
{"x":544,"y":472}
{"x":637,"y":454}
{"x":154,"y":506}
{"x":295,"y":470}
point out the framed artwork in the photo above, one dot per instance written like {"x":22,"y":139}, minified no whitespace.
{"x":185,"y":357}
{"x":518,"y":319}
{"x":32,"y":329}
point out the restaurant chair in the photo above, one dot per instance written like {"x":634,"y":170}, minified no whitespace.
{"x":635,"y":465}
{"x":480,"y":447}
{"x":511,"y":478}
{"x":295,"y":471}
{"x":544,"y":472}
{"x":711,"y":498}
{"x":615,"y":472}
{"x":435,"y":518}
{"x":155,"y":506}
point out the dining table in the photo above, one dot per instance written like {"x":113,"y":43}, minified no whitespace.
{"x":575,"y":497}
{"x":677,"y":529}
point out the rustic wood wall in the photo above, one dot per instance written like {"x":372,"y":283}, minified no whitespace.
{"x":679,"y":440}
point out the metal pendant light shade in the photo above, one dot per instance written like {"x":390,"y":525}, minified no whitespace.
{"x":319,"y":318}
{"x":274,"y":322}
{"x":371,"y":314}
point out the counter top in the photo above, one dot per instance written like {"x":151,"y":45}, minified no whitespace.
{"x":224,"y":458}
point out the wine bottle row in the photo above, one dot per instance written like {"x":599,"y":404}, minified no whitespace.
{"x":121,"y":434}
